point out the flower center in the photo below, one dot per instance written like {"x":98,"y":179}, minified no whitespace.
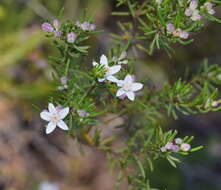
{"x":55,"y":118}
{"x":127,"y":86}
{"x":107,"y":69}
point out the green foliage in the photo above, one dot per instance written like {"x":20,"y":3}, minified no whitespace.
{"x":148,"y":29}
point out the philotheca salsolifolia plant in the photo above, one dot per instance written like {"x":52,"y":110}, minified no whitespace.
{"x":86,"y":92}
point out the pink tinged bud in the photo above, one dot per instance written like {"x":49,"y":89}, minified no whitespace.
{"x":193,"y":4}
{"x":184,"y":35}
{"x":47,"y":27}
{"x":215,"y":104}
{"x":71,"y":37}
{"x":92,"y":26}
{"x":163,"y":149}
{"x":185,"y":147}
{"x":188,"y":12}
{"x":196,"y":16}
{"x":170,"y":27}
{"x":82,"y":113}
{"x":175,"y":148}
{"x":57,"y":33}
{"x":169,"y":145}
{"x":56,"y":24}
{"x":178,"y":140}
{"x":64,"y":80}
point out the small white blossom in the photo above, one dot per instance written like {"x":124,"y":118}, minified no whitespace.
{"x":48,"y":186}
{"x":109,"y":70}
{"x":128,"y":87}
{"x":54,"y":116}
{"x":192,"y":11}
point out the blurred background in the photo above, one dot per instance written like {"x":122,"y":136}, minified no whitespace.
{"x":30,"y":160}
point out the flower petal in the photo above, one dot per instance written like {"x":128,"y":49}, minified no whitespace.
{"x":103,"y":60}
{"x":64,"y":112}
{"x":45,"y":115}
{"x":120,"y":92}
{"x":136,"y":86}
{"x":130,"y":95}
{"x":112,"y":78}
{"x":114,"y":69}
{"x":50,"y":127}
{"x":128,"y":79}
{"x":101,"y":80}
{"x":51,"y":108}
{"x":61,"y":124}
{"x":120,"y":83}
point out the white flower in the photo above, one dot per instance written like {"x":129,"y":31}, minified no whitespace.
{"x":48,"y":186}
{"x":109,"y":70}
{"x":55,"y":117}
{"x":192,"y":11}
{"x":128,"y":87}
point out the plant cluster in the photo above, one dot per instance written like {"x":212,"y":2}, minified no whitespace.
{"x":87,"y":91}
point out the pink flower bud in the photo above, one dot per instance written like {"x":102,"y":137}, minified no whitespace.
{"x":64,"y":80}
{"x":193,"y":4}
{"x":184,"y":34}
{"x":188,"y":12}
{"x":47,"y":27}
{"x":71,"y":37}
{"x":82,"y":113}
{"x":169,"y":145}
{"x":56,"y":24}
{"x":170,"y":27}
{"x":185,"y":147}
{"x":175,"y":148}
